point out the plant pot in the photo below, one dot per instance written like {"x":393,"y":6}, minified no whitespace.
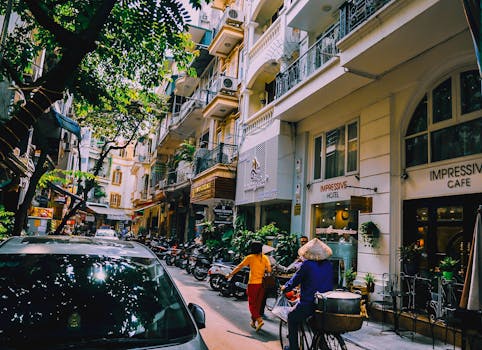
{"x":371,"y":287}
{"x":448,"y":275}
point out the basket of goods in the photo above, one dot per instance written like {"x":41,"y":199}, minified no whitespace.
{"x":337,"y":312}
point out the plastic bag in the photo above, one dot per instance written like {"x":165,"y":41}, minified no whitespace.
{"x":282,"y":308}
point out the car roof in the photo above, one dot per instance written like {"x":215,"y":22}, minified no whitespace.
{"x":73,"y":245}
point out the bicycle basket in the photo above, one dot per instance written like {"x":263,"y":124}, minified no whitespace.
{"x":335,"y":323}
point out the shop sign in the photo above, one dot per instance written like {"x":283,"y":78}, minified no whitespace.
{"x":450,"y":179}
{"x":363,"y":204}
{"x":47,"y":213}
{"x":202,"y":192}
{"x":223,"y":214}
{"x":334,"y":190}
{"x":458,"y":176}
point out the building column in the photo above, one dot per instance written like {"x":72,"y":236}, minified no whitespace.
{"x":257,"y":216}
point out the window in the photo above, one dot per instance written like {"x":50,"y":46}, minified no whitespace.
{"x":339,"y":150}
{"x":115,"y":200}
{"x":117,"y":177}
{"x":435,"y":133}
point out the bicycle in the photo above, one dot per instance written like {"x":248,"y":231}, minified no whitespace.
{"x":311,"y":337}
{"x":311,"y":334}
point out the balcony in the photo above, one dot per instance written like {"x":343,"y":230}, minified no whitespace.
{"x":221,"y":99}
{"x":180,"y":176}
{"x":223,"y":154}
{"x":185,"y":85}
{"x":312,"y":15}
{"x":316,"y":56}
{"x":228,"y":33}
{"x":189,"y":116}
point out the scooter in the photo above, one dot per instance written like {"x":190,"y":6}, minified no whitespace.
{"x":237,"y":286}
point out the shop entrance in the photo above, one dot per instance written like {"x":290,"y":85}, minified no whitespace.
{"x":443,"y":226}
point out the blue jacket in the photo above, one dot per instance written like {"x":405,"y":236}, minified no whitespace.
{"x":313,"y":276}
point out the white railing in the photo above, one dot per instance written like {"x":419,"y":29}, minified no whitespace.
{"x":260,"y":119}
{"x":266,"y":38}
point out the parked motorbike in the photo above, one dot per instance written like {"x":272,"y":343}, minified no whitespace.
{"x":217,"y":274}
{"x":237,"y":286}
{"x":201,"y":263}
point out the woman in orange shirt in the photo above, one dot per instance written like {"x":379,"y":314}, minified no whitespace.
{"x":258,"y":265}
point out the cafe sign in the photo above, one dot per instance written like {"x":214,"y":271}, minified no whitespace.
{"x":455,"y":178}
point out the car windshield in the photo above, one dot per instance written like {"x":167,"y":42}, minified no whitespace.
{"x":55,"y":301}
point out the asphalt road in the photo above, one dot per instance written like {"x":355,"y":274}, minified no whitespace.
{"x":227,"y":319}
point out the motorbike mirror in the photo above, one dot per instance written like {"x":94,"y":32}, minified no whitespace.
{"x":198,"y":314}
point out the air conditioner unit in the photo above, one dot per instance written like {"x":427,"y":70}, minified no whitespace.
{"x":234,"y":16}
{"x":228,"y":84}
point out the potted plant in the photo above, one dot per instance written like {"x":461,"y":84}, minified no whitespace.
{"x":350,"y":276}
{"x":370,"y":233}
{"x":448,"y":266}
{"x":409,"y":256}
{"x":370,"y":281}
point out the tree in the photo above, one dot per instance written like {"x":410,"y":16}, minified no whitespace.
{"x":93,"y":49}
{"x":131,"y":119}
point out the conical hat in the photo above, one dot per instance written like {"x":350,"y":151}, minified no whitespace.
{"x":315,"y":250}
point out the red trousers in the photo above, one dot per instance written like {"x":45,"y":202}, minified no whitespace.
{"x":255,"y":299}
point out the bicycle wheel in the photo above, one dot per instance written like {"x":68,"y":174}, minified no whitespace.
{"x":329,"y":341}
{"x":283,"y":333}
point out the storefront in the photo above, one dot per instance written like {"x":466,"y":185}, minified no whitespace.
{"x":442,"y":180}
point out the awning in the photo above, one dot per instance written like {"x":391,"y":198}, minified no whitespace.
{"x":147,"y":206}
{"x":67,"y":123}
{"x":111,"y":213}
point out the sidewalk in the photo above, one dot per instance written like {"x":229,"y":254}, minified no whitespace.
{"x":372,"y":336}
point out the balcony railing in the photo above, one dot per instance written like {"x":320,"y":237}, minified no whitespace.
{"x":223,"y":154}
{"x":217,"y":87}
{"x":352,"y":14}
{"x":355,"y":12}
{"x":197,"y":100}
{"x":316,"y":56}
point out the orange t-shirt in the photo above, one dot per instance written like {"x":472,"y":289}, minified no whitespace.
{"x":258,"y":265}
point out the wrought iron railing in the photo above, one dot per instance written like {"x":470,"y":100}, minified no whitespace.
{"x":316,"y":56}
{"x":355,"y":12}
{"x":351,"y":15}
{"x":223,"y":154}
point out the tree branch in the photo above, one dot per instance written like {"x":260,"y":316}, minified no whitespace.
{"x":63,"y":36}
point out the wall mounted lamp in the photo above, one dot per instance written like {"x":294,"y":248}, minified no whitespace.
{"x":404,"y":175}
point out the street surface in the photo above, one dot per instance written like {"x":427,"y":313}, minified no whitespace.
{"x":227,"y":319}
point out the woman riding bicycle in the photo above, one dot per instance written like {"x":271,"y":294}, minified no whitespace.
{"x":314,"y":275}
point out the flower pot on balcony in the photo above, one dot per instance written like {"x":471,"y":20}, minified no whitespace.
{"x":448,"y":275}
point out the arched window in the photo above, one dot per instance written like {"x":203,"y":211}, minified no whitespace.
{"x":447,"y":122}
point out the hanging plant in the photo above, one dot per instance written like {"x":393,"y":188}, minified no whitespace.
{"x":370,"y":234}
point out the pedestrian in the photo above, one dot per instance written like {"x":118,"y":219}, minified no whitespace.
{"x":295,"y":265}
{"x":258,"y":265}
{"x":314,"y":275}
